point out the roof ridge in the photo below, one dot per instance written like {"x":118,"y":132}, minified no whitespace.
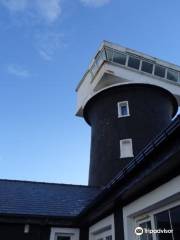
{"x":48,"y":183}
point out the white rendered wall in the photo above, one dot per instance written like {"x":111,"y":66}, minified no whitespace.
{"x":100,"y":225}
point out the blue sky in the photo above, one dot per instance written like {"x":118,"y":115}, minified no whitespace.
{"x":46,"y":46}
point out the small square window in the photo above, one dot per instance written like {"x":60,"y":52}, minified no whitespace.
{"x":123,"y":109}
{"x":126,"y":148}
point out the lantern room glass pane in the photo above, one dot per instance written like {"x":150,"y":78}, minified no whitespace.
{"x":119,"y":58}
{"x":100,"y":58}
{"x":147,"y":67}
{"x":109,"y":54}
{"x":133,"y":62}
{"x":94,"y":68}
{"x":159,"y":71}
{"x":172,"y":75}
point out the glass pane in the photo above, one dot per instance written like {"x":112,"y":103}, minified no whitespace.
{"x":63,"y":238}
{"x":103,"y":54}
{"x":159,"y":71}
{"x":147,"y":67}
{"x":162,"y":221}
{"x":133,"y":62}
{"x":100,"y":58}
{"x":172,"y":75}
{"x":109,"y":237}
{"x":146,"y":236}
{"x":124,"y":111}
{"x":109,"y":53}
{"x":119,"y":58}
{"x":175,"y":219}
{"x":94,"y":68}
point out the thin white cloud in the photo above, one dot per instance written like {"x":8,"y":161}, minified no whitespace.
{"x":18,"y":71}
{"x":48,"y":10}
{"x":95,"y":3}
{"x":15,"y":5}
{"x":48,"y":43}
{"x":45,"y":54}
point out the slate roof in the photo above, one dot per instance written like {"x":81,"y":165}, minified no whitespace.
{"x":44,"y":199}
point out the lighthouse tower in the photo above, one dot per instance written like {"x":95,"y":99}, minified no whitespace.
{"x":127,"y":98}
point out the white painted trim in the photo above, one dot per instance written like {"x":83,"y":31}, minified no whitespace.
{"x":101,"y":224}
{"x":162,"y":198}
{"x":119,"y":105}
{"x":73,"y":232}
{"x":124,"y":154}
{"x":152,"y":214}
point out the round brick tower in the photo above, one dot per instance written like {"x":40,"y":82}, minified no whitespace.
{"x":123,"y":119}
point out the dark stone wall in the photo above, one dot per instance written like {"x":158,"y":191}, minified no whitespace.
{"x":84,"y":233}
{"x":151,"y":110}
{"x":119,"y":223}
{"x":10,"y":231}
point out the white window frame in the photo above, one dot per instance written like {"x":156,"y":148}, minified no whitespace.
{"x":69,"y":232}
{"x":119,"y":105}
{"x":151,"y":216}
{"x":162,"y":198}
{"x":108,"y":221}
{"x":143,"y":219}
{"x":130,"y":153}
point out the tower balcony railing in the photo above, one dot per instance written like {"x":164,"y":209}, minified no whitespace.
{"x":114,"y":64}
